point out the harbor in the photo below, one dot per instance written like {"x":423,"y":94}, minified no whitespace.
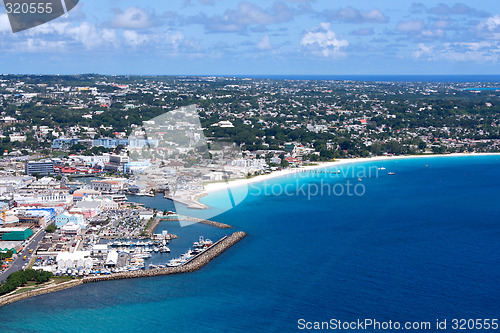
{"x":191,"y":265}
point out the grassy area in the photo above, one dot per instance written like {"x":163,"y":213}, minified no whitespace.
{"x":61,"y":279}
{"x":32,"y":261}
{"x":23,"y":289}
{"x":31,"y":285}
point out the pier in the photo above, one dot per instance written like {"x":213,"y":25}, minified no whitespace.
{"x":190,"y":203}
{"x":194,"y":264}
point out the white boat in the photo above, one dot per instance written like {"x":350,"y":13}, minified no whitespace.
{"x":164,"y":249}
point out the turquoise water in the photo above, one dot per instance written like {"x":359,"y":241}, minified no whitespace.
{"x":419,"y":245}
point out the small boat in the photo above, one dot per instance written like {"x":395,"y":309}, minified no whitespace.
{"x":175,"y":262}
{"x":391,"y":173}
{"x":381,"y":168}
{"x":164,"y":249}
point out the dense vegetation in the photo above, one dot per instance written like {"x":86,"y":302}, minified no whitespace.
{"x":401,"y":117}
{"x":5,"y":255}
{"x":51,"y":228}
{"x":20,"y":278}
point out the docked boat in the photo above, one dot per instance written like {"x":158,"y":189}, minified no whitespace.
{"x":164,"y":249}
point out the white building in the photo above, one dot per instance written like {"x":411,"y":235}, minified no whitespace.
{"x":249,"y":163}
{"x":109,"y":204}
{"x":108,"y":185}
{"x":88,"y":207}
{"x":112,"y":259}
{"x":75,"y":260}
{"x":100,"y":249}
{"x":17,"y":137}
{"x":61,"y":200}
{"x":71,"y":229}
{"x":213,"y":176}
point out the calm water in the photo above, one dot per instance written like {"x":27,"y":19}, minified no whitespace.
{"x":382,"y":78}
{"x":420,"y":245}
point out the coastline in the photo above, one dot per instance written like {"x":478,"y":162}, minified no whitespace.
{"x":214,"y":187}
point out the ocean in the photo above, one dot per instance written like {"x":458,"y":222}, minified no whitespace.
{"x":381,"y":78}
{"x":420,"y":245}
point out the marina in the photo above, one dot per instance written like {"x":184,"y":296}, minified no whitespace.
{"x":191,"y":265}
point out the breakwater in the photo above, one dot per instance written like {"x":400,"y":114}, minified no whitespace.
{"x":7,"y":299}
{"x":194,"y":264}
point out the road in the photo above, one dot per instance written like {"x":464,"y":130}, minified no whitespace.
{"x":18,"y":263}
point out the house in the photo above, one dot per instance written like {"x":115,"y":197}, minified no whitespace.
{"x":111,"y":259}
{"x":100,"y":249}
{"x":15,"y":234}
{"x":89,"y":208}
{"x":71,"y":229}
{"x":75,"y":260}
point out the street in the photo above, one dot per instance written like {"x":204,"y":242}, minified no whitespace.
{"x":18,"y":263}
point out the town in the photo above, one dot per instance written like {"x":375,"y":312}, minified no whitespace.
{"x":76,"y":147}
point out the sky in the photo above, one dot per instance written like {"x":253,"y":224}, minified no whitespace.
{"x":283,"y":37}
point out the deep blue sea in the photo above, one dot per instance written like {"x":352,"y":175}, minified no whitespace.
{"x":420,"y":245}
{"x":381,"y":78}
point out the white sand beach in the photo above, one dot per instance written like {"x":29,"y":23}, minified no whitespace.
{"x":213,"y":187}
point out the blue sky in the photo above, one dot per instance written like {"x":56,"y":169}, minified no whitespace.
{"x":260,"y":37}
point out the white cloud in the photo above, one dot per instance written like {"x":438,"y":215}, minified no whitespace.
{"x":423,"y":50}
{"x":433,"y":33}
{"x":4,"y":23}
{"x":323,"y":41}
{"x":411,"y":26}
{"x":264,"y":43}
{"x":480,"y":52}
{"x":134,"y":39}
{"x":89,"y":35}
{"x":245,"y":15}
{"x":132,"y":18}
{"x":352,"y":15}
{"x":39,"y":45}
{"x":489,"y":29}
{"x":492,"y":23}
{"x":457,"y":9}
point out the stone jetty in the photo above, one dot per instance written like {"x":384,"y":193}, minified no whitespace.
{"x":11,"y":298}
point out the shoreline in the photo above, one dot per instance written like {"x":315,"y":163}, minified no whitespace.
{"x":214,"y":187}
